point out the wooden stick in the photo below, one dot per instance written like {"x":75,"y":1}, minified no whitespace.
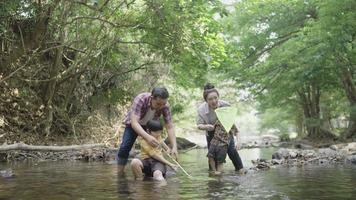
{"x":174,"y":160}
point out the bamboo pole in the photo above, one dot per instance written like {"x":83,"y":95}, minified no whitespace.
{"x":176,"y":162}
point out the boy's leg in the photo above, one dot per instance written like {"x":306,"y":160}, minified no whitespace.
{"x":137,"y":166}
{"x":159,"y":170}
{"x":219,"y":167}
{"x":209,"y":137}
{"x":212,"y":157}
{"x":128,"y":139}
{"x":234,"y":155}
{"x":158,"y":176}
{"x":220,"y":158}
{"x":212,"y":164}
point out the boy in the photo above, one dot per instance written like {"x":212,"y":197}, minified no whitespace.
{"x":218,"y":146}
{"x":152,"y":162}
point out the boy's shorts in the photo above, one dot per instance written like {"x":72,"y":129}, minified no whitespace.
{"x":218,"y":153}
{"x":150,"y":165}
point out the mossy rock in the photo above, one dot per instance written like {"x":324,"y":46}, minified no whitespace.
{"x":182,"y":143}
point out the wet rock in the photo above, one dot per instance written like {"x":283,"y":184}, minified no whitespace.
{"x":276,"y":161}
{"x":293,"y":154}
{"x":303,"y":146}
{"x":277,"y":156}
{"x":3,"y":157}
{"x":307,"y":154}
{"x":334,"y":147}
{"x":351,"y":147}
{"x":182,"y":143}
{"x":351,"y":159}
{"x":7,"y":173}
{"x":261,"y":164}
{"x":324,"y":161}
{"x":281,"y":154}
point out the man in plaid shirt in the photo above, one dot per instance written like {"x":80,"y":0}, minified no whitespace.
{"x":146,"y":106}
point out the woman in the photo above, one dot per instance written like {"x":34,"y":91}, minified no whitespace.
{"x":207,"y":117}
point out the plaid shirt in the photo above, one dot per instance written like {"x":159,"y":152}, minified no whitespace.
{"x":221,"y":136}
{"x":141,"y":105}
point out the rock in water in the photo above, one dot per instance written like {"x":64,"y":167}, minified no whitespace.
{"x":351,"y":159}
{"x":7,"y":173}
{"x":182,"y":143}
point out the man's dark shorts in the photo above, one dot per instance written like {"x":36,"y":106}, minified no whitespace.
{"x":218,"y":153}
{"x":150,"y":165}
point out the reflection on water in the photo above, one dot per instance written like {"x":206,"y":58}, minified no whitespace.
{"x":77,"y":180}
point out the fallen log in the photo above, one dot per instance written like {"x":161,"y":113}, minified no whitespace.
{"x":23,"y":146}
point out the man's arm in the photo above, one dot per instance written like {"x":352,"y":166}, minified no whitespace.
{"x":165,"y":147}
{"x":139,"y":130}
{"x":172,"y":139}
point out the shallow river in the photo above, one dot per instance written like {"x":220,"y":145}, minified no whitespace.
{"x":80,"y":180}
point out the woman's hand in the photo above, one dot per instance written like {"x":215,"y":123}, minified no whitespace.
{"x":238,"y":146}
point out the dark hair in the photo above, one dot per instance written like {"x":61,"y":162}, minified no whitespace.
{"x":154,"y":125}
{"x":160,"y":92}
{"x":209,"y":88}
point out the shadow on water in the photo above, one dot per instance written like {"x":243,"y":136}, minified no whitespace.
{"x":78,"y":180}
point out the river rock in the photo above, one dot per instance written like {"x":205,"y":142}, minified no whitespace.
{"x":351,"y":147}
{"x":3,"y":156}
{"x":334,"y":147}
{"x":293,"y":154}
{"x":261,"y":164}
{"x":7,"y":173}
{"x":351,"y":159}
{"x":276,"y":162}
{"x":182,"y":143}
{"x":303,"y":146}
{"x":280,"y":154}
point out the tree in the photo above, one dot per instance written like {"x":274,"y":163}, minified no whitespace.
{"x":285,"y":53}
{"x":60,"y":59}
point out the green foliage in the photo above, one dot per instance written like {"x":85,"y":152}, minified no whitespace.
{"x":281,"y":49}
{"x":284,"y":137}
{"x":278,"y":120}
{"x":75,"y":56}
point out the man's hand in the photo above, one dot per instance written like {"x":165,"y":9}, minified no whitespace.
{"x":174,"y":153}
{"x":174,"y":167}
{"x":152,"y":141}
{"x":209,"y":127}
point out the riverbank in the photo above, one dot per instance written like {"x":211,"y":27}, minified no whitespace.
{"x":85,"y":152}
{"x":343,"y":153}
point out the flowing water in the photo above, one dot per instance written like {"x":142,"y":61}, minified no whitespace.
{"x":81,"y":180}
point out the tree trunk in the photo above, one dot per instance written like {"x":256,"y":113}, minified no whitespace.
{"x":310,"y":99}
{"x":54,"y":70}
{"x":350,"y":91}
{"x":299,"y":121}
